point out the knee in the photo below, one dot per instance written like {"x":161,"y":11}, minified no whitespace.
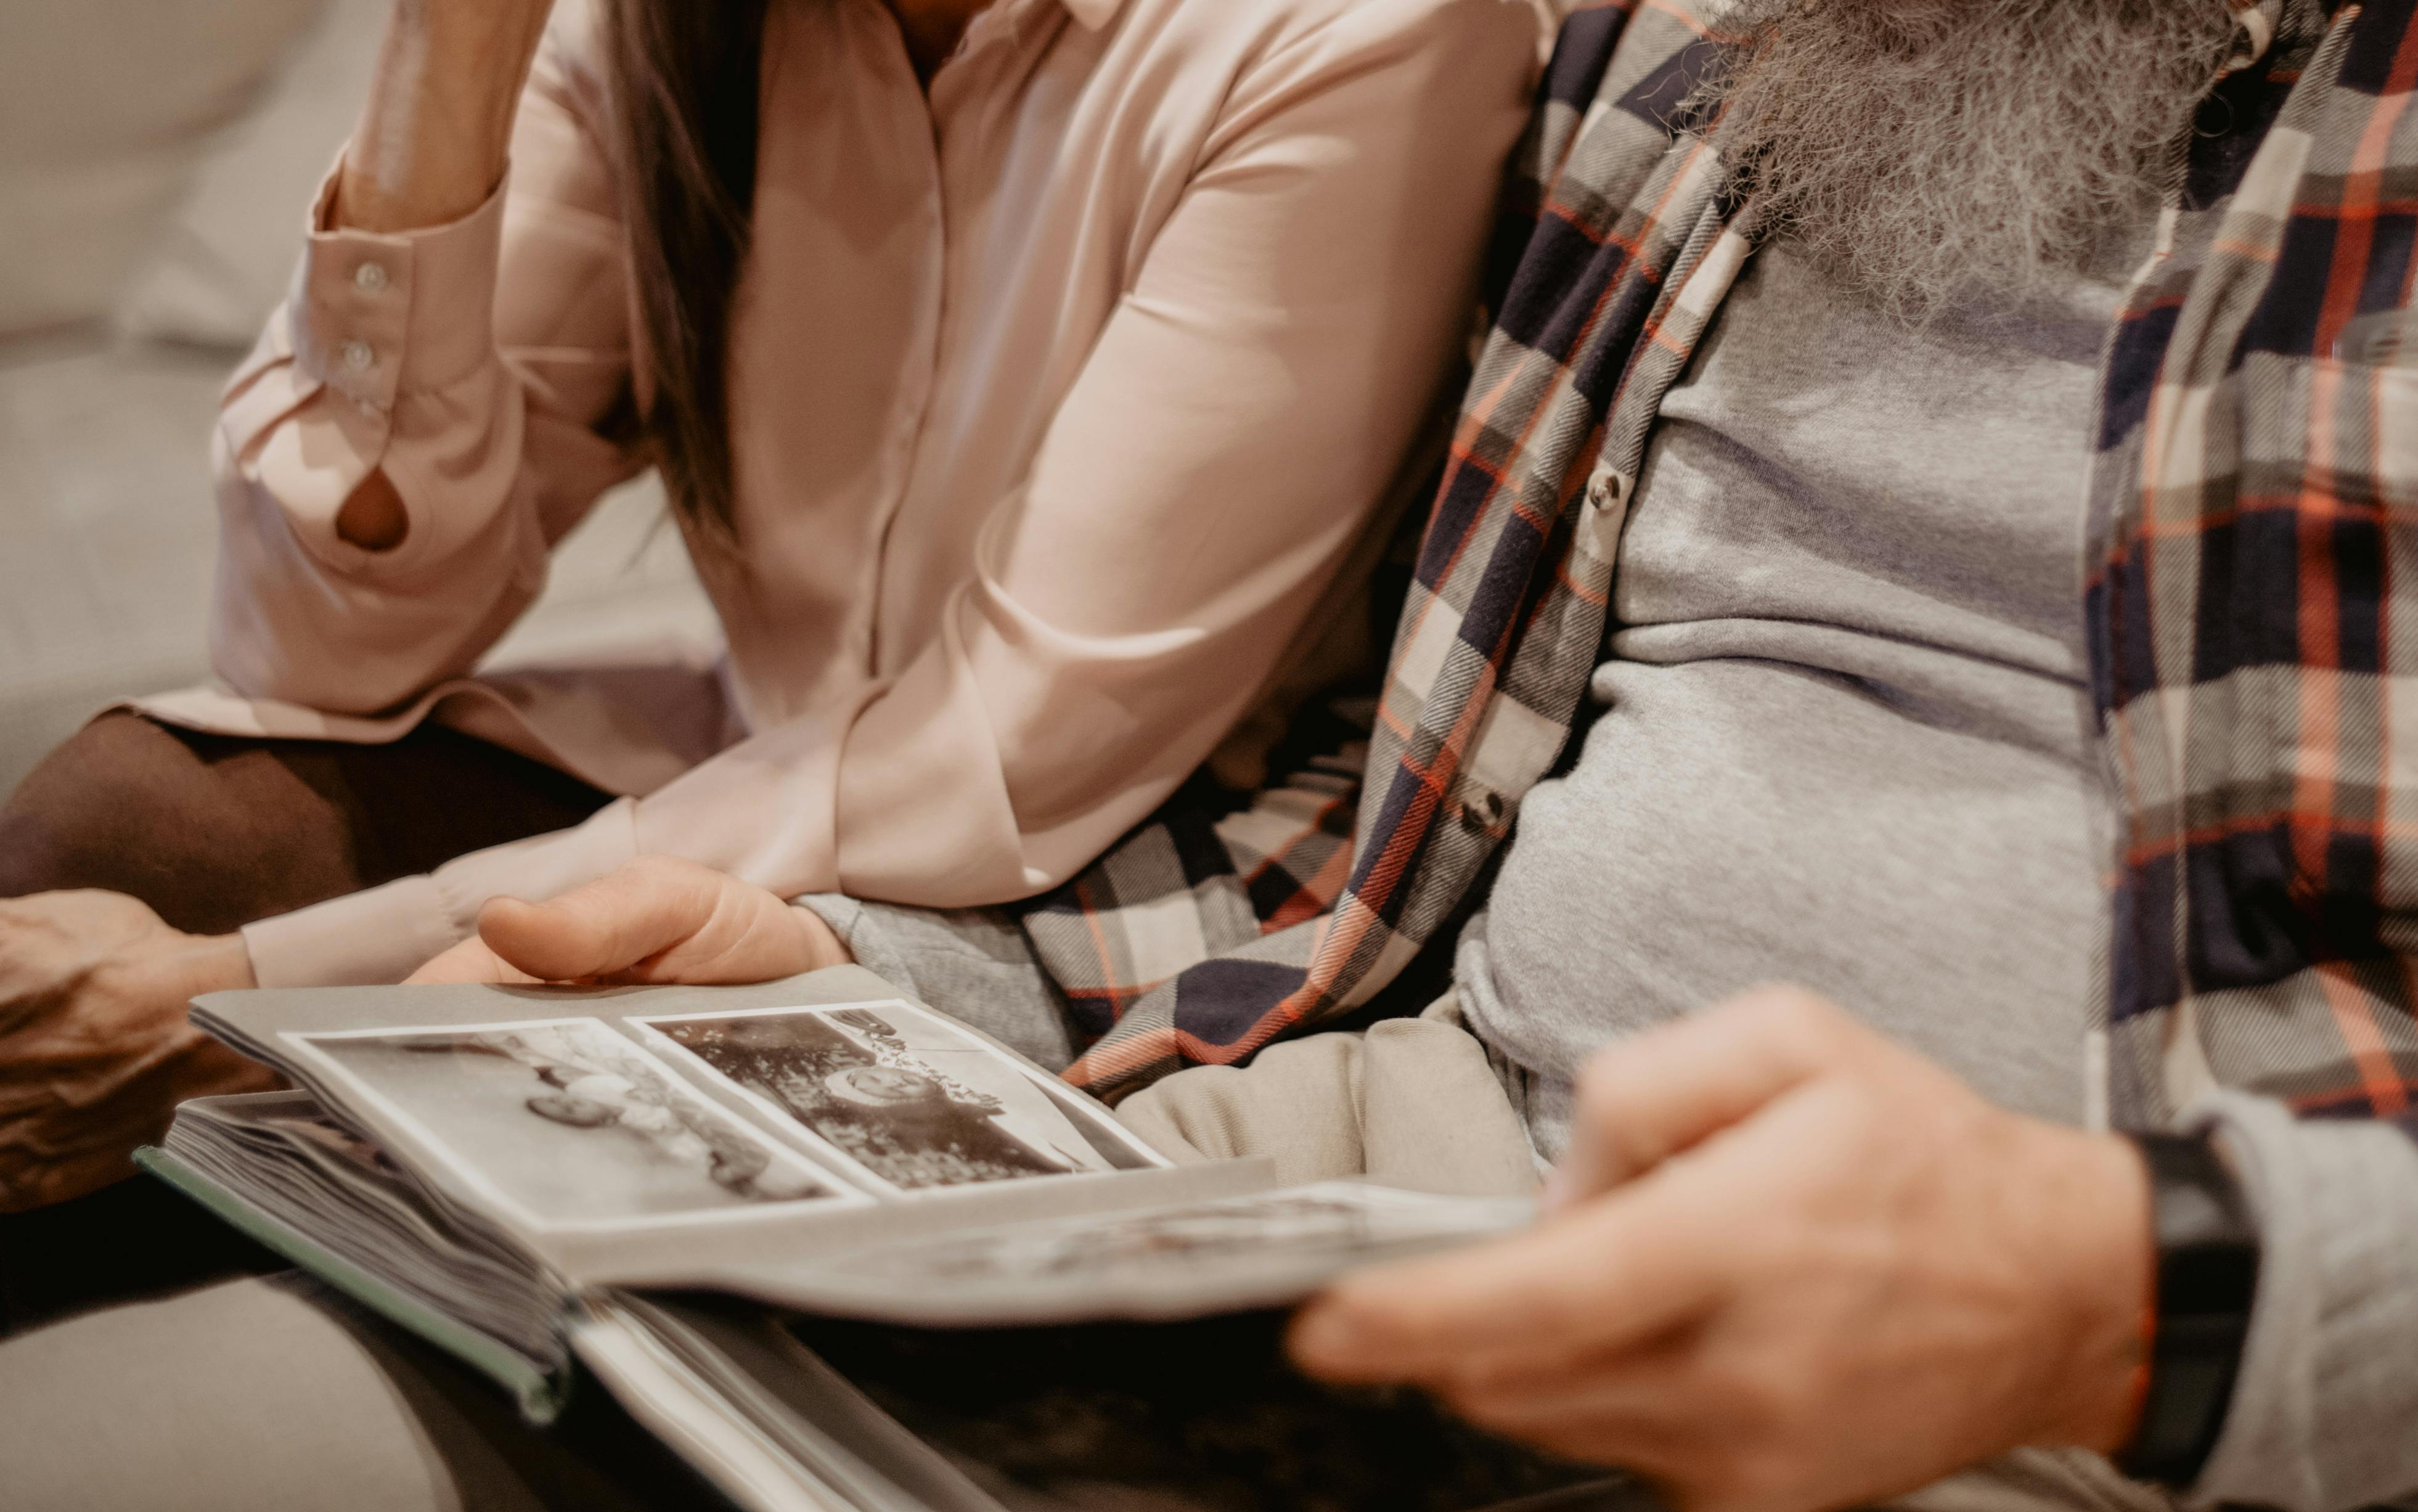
{"x":244,"y":1395}
{"x":129,"y":806}
{"x":88,"y":803}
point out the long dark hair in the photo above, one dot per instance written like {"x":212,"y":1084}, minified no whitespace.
{"x":686,"y":76}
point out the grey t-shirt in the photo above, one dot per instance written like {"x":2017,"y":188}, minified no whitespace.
{"x":1843,"y":737}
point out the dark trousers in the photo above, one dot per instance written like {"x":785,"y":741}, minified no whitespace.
{"x":214,"y":833}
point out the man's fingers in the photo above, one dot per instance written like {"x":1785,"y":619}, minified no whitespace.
{"x":1608,"y":1276}
{"x":1648,"y":1415}
{"x":1643,"y":1102}
{"x":608,"y":925}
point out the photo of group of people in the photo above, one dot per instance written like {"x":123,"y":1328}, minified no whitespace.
{"x":575,"y":1122}
{"x":902,"y":1095}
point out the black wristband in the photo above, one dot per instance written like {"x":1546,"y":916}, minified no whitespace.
{"x":2207,"y":1275}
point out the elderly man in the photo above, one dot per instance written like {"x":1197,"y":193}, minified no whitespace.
{"x":1950,"y":458}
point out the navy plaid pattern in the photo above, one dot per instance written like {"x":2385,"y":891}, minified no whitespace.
{"x":2253,"y":494}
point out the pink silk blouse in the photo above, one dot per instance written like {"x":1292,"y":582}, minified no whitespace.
{"x":1062,"y":396}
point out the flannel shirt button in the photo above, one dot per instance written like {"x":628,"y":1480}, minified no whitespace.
{"x":357,"y":355}
{"x":370,"y":278}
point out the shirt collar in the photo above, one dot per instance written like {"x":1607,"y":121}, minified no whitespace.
{"x":1093,"y":14}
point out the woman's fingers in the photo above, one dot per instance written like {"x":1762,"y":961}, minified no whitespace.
{"x":610,"y":925}
{"x":659,"y":920}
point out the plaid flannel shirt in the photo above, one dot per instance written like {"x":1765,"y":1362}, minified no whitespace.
{"x":2254,"y":496}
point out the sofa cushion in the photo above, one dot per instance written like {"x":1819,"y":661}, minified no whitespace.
{"x":228,"y":249}
{"x":105,"y":107}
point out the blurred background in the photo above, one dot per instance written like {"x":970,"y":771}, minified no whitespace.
{"x":157,"y":164}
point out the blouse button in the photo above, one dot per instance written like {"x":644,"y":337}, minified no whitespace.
{"x":370,"y":277}
{"x":357,"y":355}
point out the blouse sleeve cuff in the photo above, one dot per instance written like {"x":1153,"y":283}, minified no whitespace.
{"x":380,"y":316}
{"x":366,"y":938}
{"x":384,"y":933}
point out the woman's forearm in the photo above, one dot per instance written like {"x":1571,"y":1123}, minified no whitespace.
{"x":430,"y":147}
{"x":433,"y":137}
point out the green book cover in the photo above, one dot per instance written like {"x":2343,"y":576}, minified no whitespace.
{"x":540,"y":1395}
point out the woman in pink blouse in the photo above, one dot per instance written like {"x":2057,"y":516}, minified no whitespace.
{"x":1026,"y":375}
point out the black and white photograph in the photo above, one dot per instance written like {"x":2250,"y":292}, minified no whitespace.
{"x":912,"y":1100}
{"x":572,"y":1124}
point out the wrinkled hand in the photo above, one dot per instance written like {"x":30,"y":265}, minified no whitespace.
{"x":657,"y":920}
{"x":95,"y":1047}
{"x":1789,"y":1266}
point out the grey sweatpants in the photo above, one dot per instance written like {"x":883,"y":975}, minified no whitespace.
{"x":278,"y":1396}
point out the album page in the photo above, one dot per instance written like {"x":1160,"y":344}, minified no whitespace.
{"x":707,"y":1136}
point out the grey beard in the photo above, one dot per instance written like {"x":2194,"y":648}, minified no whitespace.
{"x":1927,"y":151}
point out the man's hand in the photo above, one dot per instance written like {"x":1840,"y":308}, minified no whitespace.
{"x":657,"y":920}
{"x":1790,"y":1266}
{"x":94,"y":1048}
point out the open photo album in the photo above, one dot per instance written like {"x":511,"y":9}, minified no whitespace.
{"x":664,"y":1184}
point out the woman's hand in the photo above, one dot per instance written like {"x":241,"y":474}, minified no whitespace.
{"x":657,"y":920}
{"x":94,"y":1047}
{"x":431,"y":140}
